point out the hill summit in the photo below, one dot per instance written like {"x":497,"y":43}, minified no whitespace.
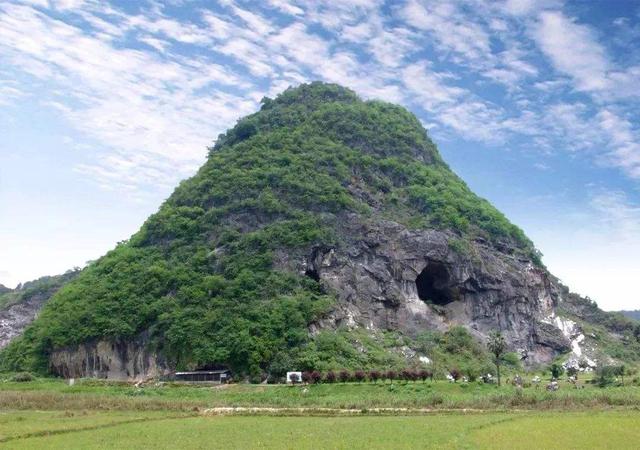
{"x":323,"y":231}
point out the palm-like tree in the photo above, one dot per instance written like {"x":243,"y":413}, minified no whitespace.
{"x":497,"y":346}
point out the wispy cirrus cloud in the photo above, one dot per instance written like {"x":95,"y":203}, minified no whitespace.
{"x":149,"y":84}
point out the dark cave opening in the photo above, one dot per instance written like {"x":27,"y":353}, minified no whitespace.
{"x":313,"y":274}
{"x":432,"y":284}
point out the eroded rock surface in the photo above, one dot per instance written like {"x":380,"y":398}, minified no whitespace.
{"x":15,"y":318}
{"x":22,"y":305}
{"x":115,"y":360}
{"x":391,"y":278}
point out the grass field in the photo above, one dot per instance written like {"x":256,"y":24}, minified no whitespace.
{"x":92,"y":394}
{"x":116,"y":430}
{"x":48,"y":413}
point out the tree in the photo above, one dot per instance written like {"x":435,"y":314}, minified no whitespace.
{"x":316,"y":377}
{"x":497,"y":346}
{"x":424,"y":374}
{"x":359,"y":375}
{"x":294,"y":378}
{"x":306,"y":377}
{"x":572,"y":372}
{"x":455,"y":374}
{"x":556,"y":370}
{"x":374,"y":375}
{"x":621,"y":371}
{"x":344,"y":376}
{"x":605,"y":375}
{"x":330,"y":377}
{"x":391,"y":375}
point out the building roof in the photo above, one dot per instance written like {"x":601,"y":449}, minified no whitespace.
{"x":203,"y":372}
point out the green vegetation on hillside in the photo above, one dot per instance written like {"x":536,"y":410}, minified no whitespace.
{"x":201,"y":275}
{"x":43,"y":287}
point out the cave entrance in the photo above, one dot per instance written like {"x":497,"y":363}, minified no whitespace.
{"x":433,"y":284}
{"x":313,"y":274}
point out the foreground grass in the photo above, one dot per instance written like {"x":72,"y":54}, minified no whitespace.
{"x":20,"y":424}
{"x":49,"y":394}
{"x":612,"y":429}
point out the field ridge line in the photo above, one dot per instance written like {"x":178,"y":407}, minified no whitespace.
{"x":89,"y":428}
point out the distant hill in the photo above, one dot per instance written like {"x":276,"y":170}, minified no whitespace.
{"x":20,"y":306}
{"x":631,"y":314}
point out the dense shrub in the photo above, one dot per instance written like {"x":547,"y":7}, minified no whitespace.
{"x":391,"y":375}
{"x":455,"y":374}
{"x":424,"y":374}
{"x":374,"y":375}
{"x":407,"y":374}
{"x":315,"y":377}
{"x":23,"y":377}
{"x":556,"y":370}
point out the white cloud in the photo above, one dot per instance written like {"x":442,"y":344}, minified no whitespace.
{"x":255,"y":22}
{"x":527,"y":7}
{"x":126,"y":99}
{"x":430,"y":87}
{"x":623,"y":140}
{"x":573,"y":50}
{"x":287,"y":7}
{"x":453,"y":31}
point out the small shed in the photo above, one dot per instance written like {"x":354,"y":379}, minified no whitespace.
{"x":204,"y":376}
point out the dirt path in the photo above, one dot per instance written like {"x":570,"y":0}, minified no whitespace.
{"x":304,"y":411}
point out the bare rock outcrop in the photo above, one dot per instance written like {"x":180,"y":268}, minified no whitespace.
{"x":388,"y":277}
{"x":116,"y":360}
{"x":15,"y":318}
{"x":20,"y":307}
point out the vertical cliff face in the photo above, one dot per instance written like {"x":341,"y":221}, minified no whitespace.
{"x":131,"y":359}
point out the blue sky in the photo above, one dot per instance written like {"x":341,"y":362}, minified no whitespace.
{"x":105,"y":106}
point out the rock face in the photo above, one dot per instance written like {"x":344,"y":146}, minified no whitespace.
{"x":390,"y":278}
{"x":15,"y":318}
{"x":115,"y":360}
{"x":21,"y":306}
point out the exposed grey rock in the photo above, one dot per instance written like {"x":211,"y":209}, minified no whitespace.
{"x":120,"y":360}
{"x":19,"y":307}
{"x":391,"y":278}
{"x":15,"y":318}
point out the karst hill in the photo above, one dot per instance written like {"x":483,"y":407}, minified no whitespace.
{"x":322,"y":232}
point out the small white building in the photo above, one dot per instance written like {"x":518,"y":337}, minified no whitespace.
{"x":296,"y":375}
